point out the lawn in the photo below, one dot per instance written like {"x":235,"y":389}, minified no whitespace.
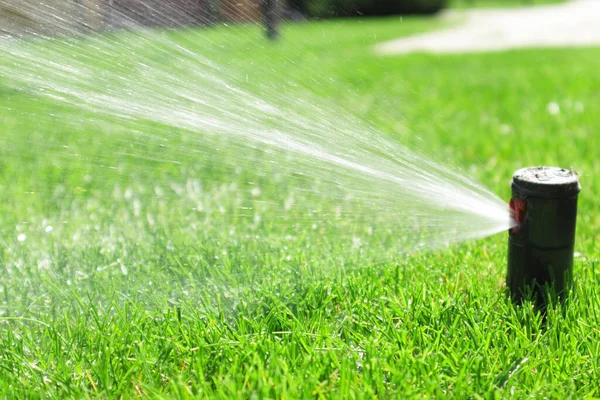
{"x":462,"y":4}
{"x":128,"y":269}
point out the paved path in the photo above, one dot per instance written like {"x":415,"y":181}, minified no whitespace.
{"x":574,"y":23}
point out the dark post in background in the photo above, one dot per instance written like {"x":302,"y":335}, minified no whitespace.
{"x":271,"y":18}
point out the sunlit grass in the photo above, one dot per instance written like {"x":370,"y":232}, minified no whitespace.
{"x":466,"y":4}
{"x":136,"y":277}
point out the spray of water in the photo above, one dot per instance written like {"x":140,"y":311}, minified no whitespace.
{"x":179,"y":99}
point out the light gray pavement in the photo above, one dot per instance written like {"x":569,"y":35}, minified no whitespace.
{"x":574,"y":23}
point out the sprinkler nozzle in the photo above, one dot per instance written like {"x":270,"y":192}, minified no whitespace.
{"x":540,"y":246}
{"x":517,"y":208}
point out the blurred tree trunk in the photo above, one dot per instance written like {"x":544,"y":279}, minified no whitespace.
{"x":271,"y":18}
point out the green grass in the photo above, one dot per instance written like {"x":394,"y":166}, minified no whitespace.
{"x":462,"y":4}
{"x":169,"y":302}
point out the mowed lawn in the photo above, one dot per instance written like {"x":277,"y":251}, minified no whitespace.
{"x":139,"y":277}
{"x":466,"y":4}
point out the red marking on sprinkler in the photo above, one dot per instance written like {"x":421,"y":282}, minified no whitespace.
{"x":518,"y":207}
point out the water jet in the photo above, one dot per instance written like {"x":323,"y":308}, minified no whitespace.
{"x":540,"y":246}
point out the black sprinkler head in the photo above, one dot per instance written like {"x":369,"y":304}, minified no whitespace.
{"x":540,"y":247}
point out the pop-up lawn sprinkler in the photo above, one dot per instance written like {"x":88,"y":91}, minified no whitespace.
{"x":540,"y":247}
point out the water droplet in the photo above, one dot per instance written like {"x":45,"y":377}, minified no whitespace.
{"x":505,"y":129}
{"x":553,"y":108}
{"x":22,"y":237}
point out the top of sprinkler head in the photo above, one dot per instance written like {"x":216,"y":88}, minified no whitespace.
{"x":546,"y":182}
